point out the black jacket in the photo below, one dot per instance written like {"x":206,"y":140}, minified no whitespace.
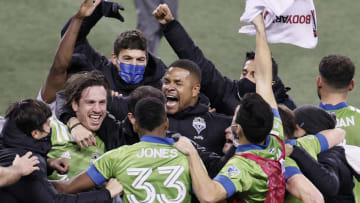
{"x":197,"y":123}
{"x":330,"y":174}
{"x":222,"y":91}
{"x":35,"y":187}
{"x":86,"y":58}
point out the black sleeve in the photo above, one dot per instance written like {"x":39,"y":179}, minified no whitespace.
{"x":62,"y":112}
{"x":321,"y":175}
{"x":212,"y":161}
{"x":118,"y":107}
{"x":221,"y":91}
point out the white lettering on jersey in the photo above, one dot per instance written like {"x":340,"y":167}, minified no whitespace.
{"x":157,"y":153}
{"x":345,"y":122}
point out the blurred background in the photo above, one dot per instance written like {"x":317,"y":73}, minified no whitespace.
{"x":30,"y":33}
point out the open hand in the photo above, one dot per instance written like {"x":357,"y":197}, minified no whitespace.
{"x":87,"y":8}
{"x":25,"y":165}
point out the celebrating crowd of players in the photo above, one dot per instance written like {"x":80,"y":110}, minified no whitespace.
{"x":131,"y":129}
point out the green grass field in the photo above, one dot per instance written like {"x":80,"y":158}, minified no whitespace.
{"x":30,"y":32}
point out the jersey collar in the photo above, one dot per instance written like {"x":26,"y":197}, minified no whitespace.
{"x":333,"y":107}
{"x":246,"y":147}
{"x":159,"y":140}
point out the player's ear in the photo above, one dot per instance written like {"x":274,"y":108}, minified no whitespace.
{"x":131,"y":118}
{"x":113,"y":59}
{"x":166,"y":125}
{"x":319,"y":82}
{"x":352,"y":85}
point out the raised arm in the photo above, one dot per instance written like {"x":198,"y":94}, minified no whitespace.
{"x":58,"y":71}
{"x":221,"y":91}
{"x":263,"y":69}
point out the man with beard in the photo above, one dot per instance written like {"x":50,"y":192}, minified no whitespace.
{"x":224,"y":94}
{"x":335,"y":81}
{"x":27,"y":128}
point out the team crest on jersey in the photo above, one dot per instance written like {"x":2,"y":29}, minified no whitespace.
{"x":94,"y":156}
{"x":199,"y":124}
{"x":233,"y":171}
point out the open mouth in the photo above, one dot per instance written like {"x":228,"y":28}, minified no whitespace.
{"x":96,"y":119}
{"x":171,"y":101}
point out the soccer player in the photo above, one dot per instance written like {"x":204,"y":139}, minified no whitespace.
{"x":245,"y":177}
{"x":86,"y":94}
{"x":27,"y":129}
{"x":335,"y":81}
{"x":151,"y":170}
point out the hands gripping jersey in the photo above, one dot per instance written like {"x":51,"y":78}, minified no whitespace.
{"x":244,"y":177}
{"x":347,"y":118}
{"x":313,"y":144}
{"x":64,"y":146}
{"x":152,"y":170}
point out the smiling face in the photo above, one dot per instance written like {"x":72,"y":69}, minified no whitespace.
{"x":180,"y":89}
{"x":91,"y":108}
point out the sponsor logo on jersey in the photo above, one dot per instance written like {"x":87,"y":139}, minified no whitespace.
{"x":199,"y":124}
{"x":233,"y":171}
{"x":199,"y":137}
{"x":66,"y":155}
{"x":157,"y":153}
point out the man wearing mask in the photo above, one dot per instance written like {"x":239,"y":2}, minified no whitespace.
{"x":130,"y":65}
{"x":224,"y":94}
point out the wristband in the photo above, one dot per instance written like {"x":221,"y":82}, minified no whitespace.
{"x":76,"y":124}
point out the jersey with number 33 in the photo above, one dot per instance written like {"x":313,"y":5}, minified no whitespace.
{"x":152,"y":170}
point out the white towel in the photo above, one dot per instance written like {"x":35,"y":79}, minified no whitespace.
{"x":352,"y":154}
{"x":293,"y":22}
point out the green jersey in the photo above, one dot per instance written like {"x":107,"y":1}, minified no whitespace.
{"x":347,"y":118}
{"x":64,"y":146}
{"x":313,"y":144}
{"x":152,"y":170}
{"x":243,"y":177}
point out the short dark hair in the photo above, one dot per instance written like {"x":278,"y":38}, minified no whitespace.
{"x":130,"y":39}
{"x":288,"y":121}
{"x":80,"y":81}
{"x":144,"y":92}
{"x":150,"y":113}
{"x":337,"y":70}
{"x":250,"y":55}
{"x":29,"y":115}
{"x":255,"y":117}
{"x":190,"y":66}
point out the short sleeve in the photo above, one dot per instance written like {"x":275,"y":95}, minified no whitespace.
{"x":277,"y":129}
{"x":291,"y":168}
{"x":104,"y":166}
{"x":313,"y":144}
{"x":233,"y":177}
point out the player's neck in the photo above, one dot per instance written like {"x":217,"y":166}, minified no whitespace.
{"x":156,"y":133}
{"x":333,"y":98}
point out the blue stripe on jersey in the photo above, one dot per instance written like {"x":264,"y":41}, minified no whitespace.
{"x":323,"y":142}
{"x":227,"y":184}
{"x":333,"y":107}
{"x":276,"y":113}
{"x":95,"y":175}
{"x":246,"y":147}
{"x":292,"y":142}
{"x":291,"y":171}
{"x":159,"y":140}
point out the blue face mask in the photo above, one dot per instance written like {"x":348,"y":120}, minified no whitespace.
{"x":131,"y":74}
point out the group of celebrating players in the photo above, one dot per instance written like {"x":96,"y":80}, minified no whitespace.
{"x":131,"y":129}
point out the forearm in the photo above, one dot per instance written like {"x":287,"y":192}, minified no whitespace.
{"x":8,"y":176}
{"x":301,"y":188}
{"x":323,"y":178}
{"x":205,"y":189}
